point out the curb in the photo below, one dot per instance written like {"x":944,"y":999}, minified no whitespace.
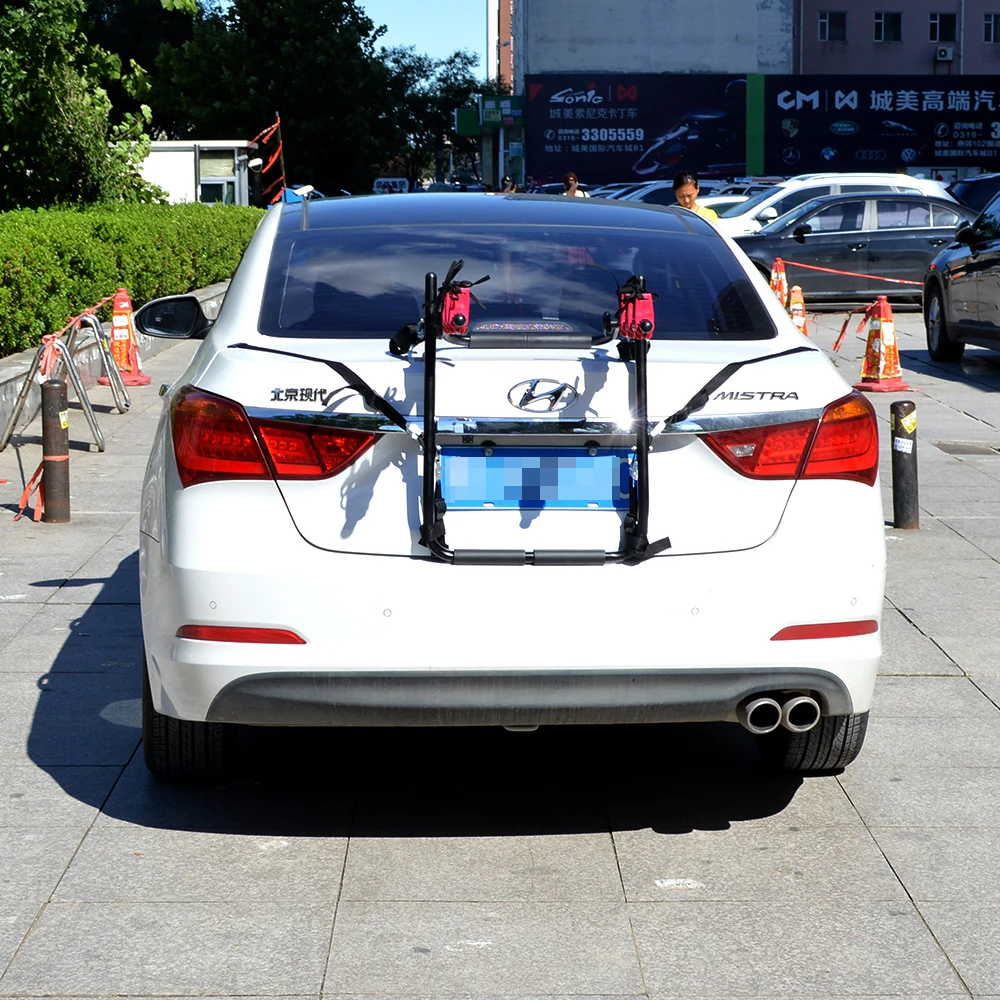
{"x":88,"y":361}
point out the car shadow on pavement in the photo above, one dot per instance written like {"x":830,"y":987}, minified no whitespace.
{"x":403,"y":782}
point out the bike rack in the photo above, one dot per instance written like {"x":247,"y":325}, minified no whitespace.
{"x":635,"y":544}
{"x":64,"y":351}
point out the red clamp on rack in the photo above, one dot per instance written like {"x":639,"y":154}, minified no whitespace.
{"x":636,"y":317}
{"x":455,"y":308}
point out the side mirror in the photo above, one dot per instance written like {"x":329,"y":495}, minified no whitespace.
{"x":799,"y":232}
{"x":768,"y":215}
{"x":966,"y":234}
{"x":177,"y":317}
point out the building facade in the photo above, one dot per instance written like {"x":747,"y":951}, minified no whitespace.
{"x":925,"y":37}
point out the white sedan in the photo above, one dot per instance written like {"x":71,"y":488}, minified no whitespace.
{"x":514,"y":462}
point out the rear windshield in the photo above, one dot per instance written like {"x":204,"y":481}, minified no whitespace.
{"x":369,"y":282}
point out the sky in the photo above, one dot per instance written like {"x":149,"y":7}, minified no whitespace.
{"x":435,"y":27}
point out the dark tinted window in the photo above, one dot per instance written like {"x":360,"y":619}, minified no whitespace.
{"x":987,"y":226}
{"x":945,"y":217}
{"x":976,"y":192}
{"x":368,"y":282}
{"x":795,"y":198}
{"x":903,"y":214}
{"x":844,"y":217}
{"x":660,"y":196}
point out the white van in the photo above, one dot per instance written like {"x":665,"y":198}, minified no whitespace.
{"x":768,"y":205}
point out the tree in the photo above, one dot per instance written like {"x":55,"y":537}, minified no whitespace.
{"x":58,"y":143}
{"x":425,"y":93}
{"x":314,"y":61}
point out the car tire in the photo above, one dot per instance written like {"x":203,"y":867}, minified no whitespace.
{"x":832,"y":743}
{"x":940,"y":346}
{"x":178,"y":749}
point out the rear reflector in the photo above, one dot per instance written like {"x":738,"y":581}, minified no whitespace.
{"x":215,"y":439}
{"x":826,"y":630}
{"x":843,"y":444}
{"x":230,"y":633}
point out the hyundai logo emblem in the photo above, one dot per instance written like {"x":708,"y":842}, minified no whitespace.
{"x":542,"y":395}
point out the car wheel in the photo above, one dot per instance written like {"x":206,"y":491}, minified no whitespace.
{"x":939,"y":345}
{"x":176,"y":748}
{"x":832,"y":743}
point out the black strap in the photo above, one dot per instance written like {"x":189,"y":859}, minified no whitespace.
{"x":701,"y":397}
{"x":353,"y":380}
{"x":403,"y":339}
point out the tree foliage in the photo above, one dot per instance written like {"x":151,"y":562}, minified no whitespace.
{"x":425,"y":93}
{"x":314,"y":61}
{"x":57,"y":141}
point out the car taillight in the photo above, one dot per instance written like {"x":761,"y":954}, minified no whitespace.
{"x":235,"y":633}
{"x":215,"y":439}
{"x":309,"y":452}
{"x":846,"y":444}
{"x":843,"y":444}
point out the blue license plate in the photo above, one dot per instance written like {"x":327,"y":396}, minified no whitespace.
{"x":535,"y":478}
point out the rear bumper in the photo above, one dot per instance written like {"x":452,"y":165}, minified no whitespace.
{"x":510,"y":699}
{"x":402,"y":641}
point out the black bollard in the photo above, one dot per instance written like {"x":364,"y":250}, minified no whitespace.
{"x":55,"y":452}
{"x":903,"y":425}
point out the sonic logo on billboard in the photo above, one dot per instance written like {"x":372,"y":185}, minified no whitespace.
{"x":787,"y":102}
{"x":628,"y":93}
{"x":848,"y":100}
{"x":571,"y":96}
{"x":790,"y":127}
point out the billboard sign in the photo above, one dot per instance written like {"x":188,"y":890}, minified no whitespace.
{"x":610,"y":127}
{"x":880,"y":122}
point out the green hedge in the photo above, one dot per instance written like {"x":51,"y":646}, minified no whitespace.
{"x":56,"y":262}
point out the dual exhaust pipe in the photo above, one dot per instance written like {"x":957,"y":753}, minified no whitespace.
{"x":762,"y":714}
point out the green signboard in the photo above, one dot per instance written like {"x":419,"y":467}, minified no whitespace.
{"x":507,"y":110}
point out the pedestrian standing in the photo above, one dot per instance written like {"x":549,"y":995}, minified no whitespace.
{"x":571,"y":186}
{"x":686,"y":189}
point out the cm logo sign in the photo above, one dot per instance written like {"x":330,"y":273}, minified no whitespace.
{"x":799,"y":101}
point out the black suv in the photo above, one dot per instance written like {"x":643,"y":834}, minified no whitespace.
{"x":976,"y":192}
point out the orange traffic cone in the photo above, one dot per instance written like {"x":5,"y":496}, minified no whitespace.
{"x":779,"y":282}
{"x":880,"y":371}
{"x":124,"y":346}
{"x":797,"y":310}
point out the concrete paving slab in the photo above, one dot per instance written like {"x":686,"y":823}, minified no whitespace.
{"x":268,"y":948}
{"x":430,"y":949}
{"x":974,"y":653}
{"x":65,"y":652}
{"x":932,"y":698}
{"x":990,"y":686}
{"x":16,"y":919}
{"x":70,"y":718}
{"x":944,"y":865}
{"x":967,"y":931}
{"x":927,"y":743}
{"x":930,"y":797}
{"x":125,"y":862}
{"x":290,"y":806}
{"x":15,"y":618}
{"x":33,"y":861}
{"x":793,"y":948}
{"x":751,"y":863}
{"x":66,"y":797}
{"x":907,"y":651}
{"x":557,"y":868}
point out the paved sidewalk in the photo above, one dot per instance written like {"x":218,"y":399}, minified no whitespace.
{"x":602,"y":862}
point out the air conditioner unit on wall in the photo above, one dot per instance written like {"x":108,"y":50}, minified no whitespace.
{"x":944,"y":53}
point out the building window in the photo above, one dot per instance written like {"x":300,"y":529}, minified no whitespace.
{"x":833,"y":25}
{"x":888,"y":26}
{"x":944,"y":27}
{"x":991,"y":28}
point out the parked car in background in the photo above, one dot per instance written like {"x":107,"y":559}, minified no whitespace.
{"x":888,"y":235}
{"x":556,"y":188}
{"x":662,"y":192}
{"x":720,"y":203}
{"x":770,"y":204}
{"x":307,"y":532}
{"x":962,"y":289}
{"x":976,"y":192}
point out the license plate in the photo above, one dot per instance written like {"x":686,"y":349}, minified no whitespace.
{"x":535,"y":478}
